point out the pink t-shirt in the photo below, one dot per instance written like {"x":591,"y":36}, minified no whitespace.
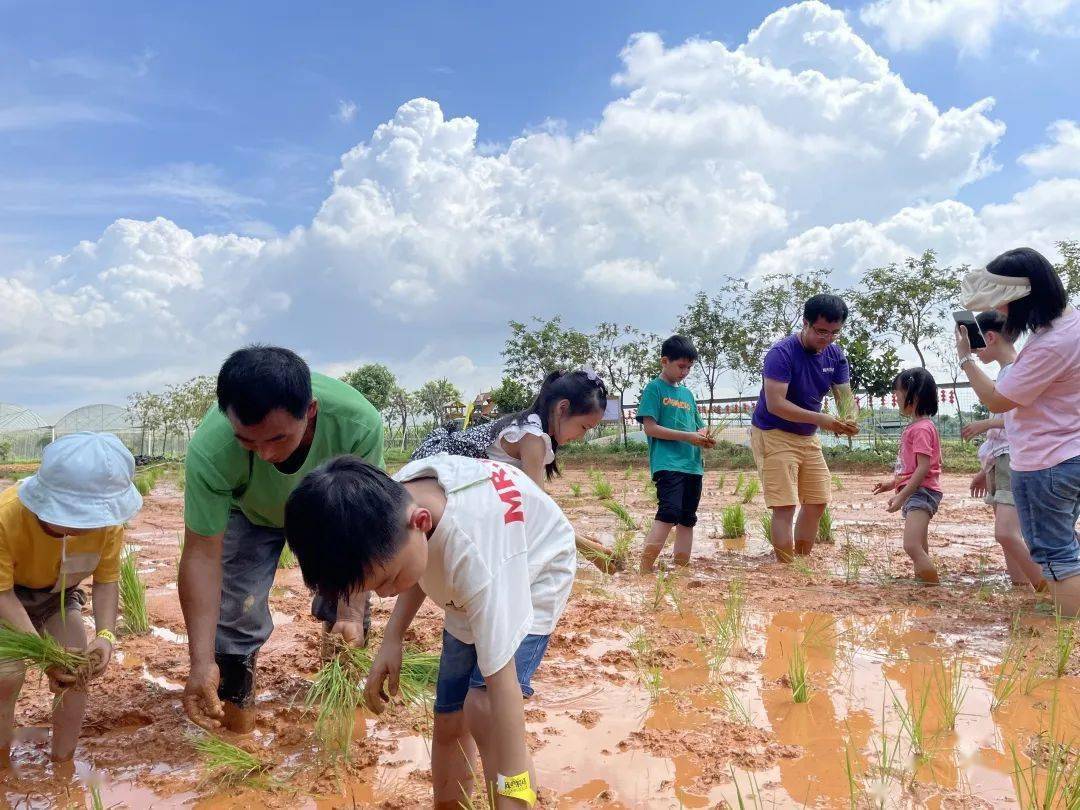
{"x":1045,"y":382}
{"x":920,"y":438}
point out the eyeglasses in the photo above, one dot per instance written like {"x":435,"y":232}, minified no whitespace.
{"x":826,"y":334}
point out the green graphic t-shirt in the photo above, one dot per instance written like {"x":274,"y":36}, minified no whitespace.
{"x":220,"y":475}
{"x":672,"y":406}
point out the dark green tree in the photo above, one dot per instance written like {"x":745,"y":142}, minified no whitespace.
{"x":375,"y":381}
{"x":511,"y":396}
{"x":531,"y":354}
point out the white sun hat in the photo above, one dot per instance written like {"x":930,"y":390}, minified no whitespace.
{"x":84,"y":482}
{"x":982,"y":290}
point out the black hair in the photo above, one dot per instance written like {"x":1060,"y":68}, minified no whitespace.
{"x":824,"y":305}
{"x":1047,"y":299}
{"x":584,"y":390}
{"x":258,"y":379}
{"x":342,"y":520}
{"x":919,"y":389}
{"x":993,"y":321}
{"x":678,"y":347}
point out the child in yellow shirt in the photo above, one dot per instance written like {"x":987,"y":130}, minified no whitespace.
{"x":58,"y":527}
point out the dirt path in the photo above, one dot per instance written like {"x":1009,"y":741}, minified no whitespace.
{"x":645,"y":699}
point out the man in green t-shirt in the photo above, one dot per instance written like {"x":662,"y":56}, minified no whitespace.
{"x":275,"y":422}
{"x":669,"y":415}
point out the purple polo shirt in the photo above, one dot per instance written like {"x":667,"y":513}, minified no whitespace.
{"x":809,"y":377}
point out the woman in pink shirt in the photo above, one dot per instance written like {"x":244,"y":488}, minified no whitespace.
{"x":1041,"y":402}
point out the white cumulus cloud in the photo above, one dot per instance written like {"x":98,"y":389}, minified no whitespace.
{"x":799,"y":146}
{"x":346,"y":111}
{"x":1061,"y":156}
{"x":969,"y":24}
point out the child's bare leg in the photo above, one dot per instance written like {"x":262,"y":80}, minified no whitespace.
{"x":11,"y":681}
{"x":654,"y":544}
{"x":806,"y":527}
{"x":783,"y":540}
{"x":684,"y":544}
{"x":453,"y":755}
{"x":1022,"y":569}
{"x":915,"y":544}
{"x":479,"y":722}
{"x":71,"y":706}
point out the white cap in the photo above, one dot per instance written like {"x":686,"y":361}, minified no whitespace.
{"x":84,"y":482}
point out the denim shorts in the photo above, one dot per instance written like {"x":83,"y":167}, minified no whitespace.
{"x":925,"y":499}
{"x":458,"y":672}
{"x":1048,"y":504}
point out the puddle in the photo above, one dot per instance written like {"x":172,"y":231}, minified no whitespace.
{"x":160,"y":680}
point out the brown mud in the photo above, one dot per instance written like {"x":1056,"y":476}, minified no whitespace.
{"x":640,"y":701}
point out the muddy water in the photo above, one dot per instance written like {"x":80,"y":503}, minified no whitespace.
{"x":633,"y":707}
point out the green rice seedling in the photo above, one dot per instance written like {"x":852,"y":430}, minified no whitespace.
{"x":594,"y":555}
{"x":852,"y":782}
{"x":620,"y":511}
{"x":96,"y":802}
{"x":766,"y":524}
{"x":620,"y":550}
{"x":847,"y":409}
{"x":888,"y":763}
{"x":629,"y":472}
{"x":735,"y":707}
{"x":740,"y":482}
{"x":733,"y":520}
{"x":825,"y":528}
{"x":1007,"y":677}
{"x":666,"y":586}
{"x":143,"y":484}
{"x":132,"y":596}
{"x":803,"y":565}
{"x":603,"y":490}
{"x":650,"y":489}
{"x":39,"y":652}
{"x":1064,"y":643}
{"x":653,"y":680}
{"x":950,"y":689}
{"x":416,"y":681}
{"x":837,"y":483}
{"x":287,"y":559}
{"x":753,"y":487}
{"x":853,"y":558}
{"x":797,"y":677}
{"x":335,"y":693}
{"x":228,"y":765}
{"x":720,"y":482}
{"x":641,"y":647}
{"x":755,"y":792}
{"x":912,"y":715}
{"x":575,"y":490}
{"x":1052,"y":780}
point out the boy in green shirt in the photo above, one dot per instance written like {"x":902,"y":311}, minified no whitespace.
{"x":676,"y":433}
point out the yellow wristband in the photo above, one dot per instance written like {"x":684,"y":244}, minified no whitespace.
{"x":108,"y":635}
{"x":516,"y":787}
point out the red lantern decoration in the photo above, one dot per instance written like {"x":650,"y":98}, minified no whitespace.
{"x":894,"y":400}
{"x":942,"y":392}
{"x":952,"y":397}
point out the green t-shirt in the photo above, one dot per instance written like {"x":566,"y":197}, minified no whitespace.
{"x":220,"y":475}
{"x":672,"y":406}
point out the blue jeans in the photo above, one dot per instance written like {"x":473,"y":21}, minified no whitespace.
{"x":1048,"y":503}
{"x":458,"y":672}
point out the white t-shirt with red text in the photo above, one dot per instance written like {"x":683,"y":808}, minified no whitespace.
{"x":501,"y":562}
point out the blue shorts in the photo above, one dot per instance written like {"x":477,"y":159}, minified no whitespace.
{"x":1048,"y":505}
{"x":458,"y":672}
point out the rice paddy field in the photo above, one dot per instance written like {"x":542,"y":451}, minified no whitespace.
{"x":834,"y":682}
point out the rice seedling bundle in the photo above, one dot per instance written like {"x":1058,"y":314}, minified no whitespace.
{"x":287,"y":558}
{"x":950,"y":689}
{"x":39,"y":652}
{"x":602,"y":489}
{"x":132,"y":596}
{"x":620,"y":511}
{"x":797,"y":677}
{"x":620,"y":551}
{"x":1064,"y":643}
{"x":575,"y":490}
{"x":228,"y":765}
{"x":419,"y":672}
{"x":766,"y":525}
{"x":753,"y":486}
{"x":1053,"y":779}
{"x":740,"y":482}
{"x":825,"y":527}
{"x":336,"y":692}
{"x":733,"y":520}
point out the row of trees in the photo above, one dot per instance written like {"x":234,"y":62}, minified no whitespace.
{"x":175,"y":412}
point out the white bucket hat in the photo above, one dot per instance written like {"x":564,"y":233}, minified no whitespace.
{"x":84,"y":482}
{"x":982,"y":290}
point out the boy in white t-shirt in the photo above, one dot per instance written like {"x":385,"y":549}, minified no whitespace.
{"x":486,"y":544}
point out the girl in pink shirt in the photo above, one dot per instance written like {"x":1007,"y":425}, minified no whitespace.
{"x":917,"y":483}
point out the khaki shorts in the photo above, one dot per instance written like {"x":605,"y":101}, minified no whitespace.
{"x":792,"y":468}
{"x":999,"y":482}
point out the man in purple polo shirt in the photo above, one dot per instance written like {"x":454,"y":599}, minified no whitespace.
{"x":799,"y":371}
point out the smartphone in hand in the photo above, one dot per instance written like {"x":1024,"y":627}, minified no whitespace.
{"x":966,"y":318}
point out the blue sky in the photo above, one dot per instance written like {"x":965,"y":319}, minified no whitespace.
{"x":231,"y":119}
